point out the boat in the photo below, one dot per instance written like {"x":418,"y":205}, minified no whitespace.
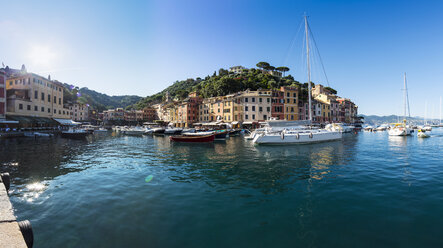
{"x":381,"y":128}
{"x":290,"y":132}
{"x":252,"y":134}
{"x":221,"y":134}
{"x":188,"y":130}
{"x":402,"y":129}
{"x":399,"y":129}
{"x":422,"y":134}
{"x":234,"y":132}
{"x":75,"y":134}
{"x":193,"y":139}
{"x":101,"y":131}
{"x":134,"y":131}
{"x":173,"y":130}
{"x":204,"y":133}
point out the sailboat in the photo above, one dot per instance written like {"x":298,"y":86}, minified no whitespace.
{"x":401,"y":129}
{"x":426,"y":126}
{"x":283,"y":132}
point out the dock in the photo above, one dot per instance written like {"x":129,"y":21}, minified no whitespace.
{"x":12,"y":233}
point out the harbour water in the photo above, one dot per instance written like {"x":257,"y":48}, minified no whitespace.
{"x":368,"y":190}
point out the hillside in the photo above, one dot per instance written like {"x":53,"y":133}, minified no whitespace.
{"x":223,"y":84}
{"x":96,"y":100}
{"x":378,"y":120}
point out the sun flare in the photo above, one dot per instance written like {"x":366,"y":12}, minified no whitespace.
{"x":42,"y":56}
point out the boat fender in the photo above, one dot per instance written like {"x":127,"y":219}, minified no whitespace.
{"x":6,"y":180}
{"x":310,"y":135}
{"x":282,"y":135}
{"x":297,"y":136}
{"x":26,"y":229}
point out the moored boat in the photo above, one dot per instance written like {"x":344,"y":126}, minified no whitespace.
{"x":192,"y":139}
{"x":75,"y":134}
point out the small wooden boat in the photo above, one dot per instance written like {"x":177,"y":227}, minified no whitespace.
{"x":192,"y":139}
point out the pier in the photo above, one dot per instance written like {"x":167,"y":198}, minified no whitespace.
{"x":12,"y":233}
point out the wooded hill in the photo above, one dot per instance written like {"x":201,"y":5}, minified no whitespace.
{"x":227,"y":83}
{"x":98,"y":101}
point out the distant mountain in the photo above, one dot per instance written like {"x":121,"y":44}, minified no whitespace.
{"x":96,"y":100}
{"x":378,"y":120}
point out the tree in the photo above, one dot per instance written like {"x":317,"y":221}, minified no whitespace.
{"x":283,"y":69}
{"x":222,"y":72}
{"x":271,"y":68}
{"x":331,"y":90}
{"x":263,"y":65}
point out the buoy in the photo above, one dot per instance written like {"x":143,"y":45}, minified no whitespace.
{"x":6,"y":180}
{"x":26,"y":229}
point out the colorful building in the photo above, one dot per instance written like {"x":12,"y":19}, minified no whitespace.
{"x":290,"y":96}
{"x":79,"y":112}
{"x":29,"y":94}
{"x":2,"y":94}
{"x":256,"y":105}
{"x":277,"y":105}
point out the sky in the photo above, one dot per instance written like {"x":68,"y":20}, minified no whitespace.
{"x":141,"y":47}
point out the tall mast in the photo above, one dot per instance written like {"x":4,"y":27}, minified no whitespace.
{"x":405,"y":96}
{"x":440,"y":110}
{"x":309,"y":68}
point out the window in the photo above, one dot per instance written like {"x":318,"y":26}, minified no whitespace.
{"x":253,"y":117}
{"x":246,"y":99}
{"x":43,"y":96}
{"x":295,"y":94}
{"x":10,"y":83}
{"x":43,"y":109}
{"x":49,"y":98}
{"x":268,"y":109}
{"x":35,"y":108}
{"x":265,"y":117}
{"x":260,"y":109}
{"x":295,"y":100}
{"x":246,"y":117}
{"x":60,"y":101}
{"x":260,"y":99}
{"x":55,"y":99}
{"x":253,"y":99}
{"x":287,"y":100}
{"x":287,"y":94}
{"x":292,"y":110}
{"x":269,"y":99}
{"x":49,"y":110}
{"x":29,"y":107}
{"x":246,"y":108}
{"x":253,"y":109}
{"x":20,"y":106}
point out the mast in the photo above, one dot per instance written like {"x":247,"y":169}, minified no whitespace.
{"x":440,"y":111}
{"x":309,"y":68}
{"x":405,"y":96}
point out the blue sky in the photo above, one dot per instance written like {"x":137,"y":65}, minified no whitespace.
{"x":141,"y":47}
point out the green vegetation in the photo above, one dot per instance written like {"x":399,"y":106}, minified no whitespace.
{"x":96,"y":100}
{"x":227,"y":83}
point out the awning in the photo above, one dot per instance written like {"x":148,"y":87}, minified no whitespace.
{"x":247,"y":123}
{"x":67,"y":122}
{"x":31,"y":120}
{"x":234,"y":122}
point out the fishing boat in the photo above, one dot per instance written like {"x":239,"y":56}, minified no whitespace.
{"x":402,"y":129}
{"x":221,"y":134}
{"x":75,"y":134}
{"x":298,"y":134}
{"x":192,"y":139}
{"x":172,"y":130}
{"x":422,"y":134}
{"x":134,"y":131}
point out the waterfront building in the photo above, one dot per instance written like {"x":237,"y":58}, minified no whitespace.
{"x":290,"y":96}
{"x":237,"y":69}
{"x":79,"y":112}
{"x":149,"y":114}
{"x":117,"y":114}
{"x":29,"y":94}
{"x":277,"y":105}
{"x":349,"y":110}
{"x":256,"y":105}
{"x":2,"y":94}
{"x":203,"y":110}
{"x":187,"y":111}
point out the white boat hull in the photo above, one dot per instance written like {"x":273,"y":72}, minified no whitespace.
{"x":399,"y":132}
{"x":297,"y":138}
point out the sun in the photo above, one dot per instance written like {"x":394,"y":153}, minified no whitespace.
{"x":42,"y":56}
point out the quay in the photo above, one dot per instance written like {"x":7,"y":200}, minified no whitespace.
{"x":12,"y":233}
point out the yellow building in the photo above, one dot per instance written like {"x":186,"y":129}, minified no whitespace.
{"x":290,"y":96}
{"x":29,"y":94}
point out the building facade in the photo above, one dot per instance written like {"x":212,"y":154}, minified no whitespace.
{"x":79,"y":112}
{"x":290,"y":96}
{"x":29,"y":94}
{"x":2,"y":94}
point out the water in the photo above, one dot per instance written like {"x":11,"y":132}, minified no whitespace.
{"x":369,"y":190}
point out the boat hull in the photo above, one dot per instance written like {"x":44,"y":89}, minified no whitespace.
{"x":68,"y":135}
{"x":301,"y":138}
{"x":192,"y":139}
